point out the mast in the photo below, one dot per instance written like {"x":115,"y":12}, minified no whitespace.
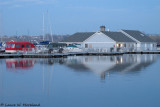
{"x":1,"y":27}
{"x":47,"y":23}
{"x":51,"y":33}
{"x":43,"y":27}
{"x":50,"y":25}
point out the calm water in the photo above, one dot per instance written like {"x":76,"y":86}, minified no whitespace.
{"x":83,"y":81}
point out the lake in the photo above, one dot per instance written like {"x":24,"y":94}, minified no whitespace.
{"x":81,"y":81}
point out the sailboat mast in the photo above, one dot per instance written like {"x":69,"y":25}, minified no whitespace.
{"x":51,"y":33}
{"x":43,"y":27}
{"x":47,"y":23}
{"x":0,"y":27}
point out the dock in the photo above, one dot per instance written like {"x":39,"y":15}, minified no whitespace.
{"x":65,"y":55}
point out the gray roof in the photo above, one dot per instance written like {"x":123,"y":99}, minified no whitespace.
{"x":118,"y":37}
{"x":78,"y":37}
{"x":138,"y":35}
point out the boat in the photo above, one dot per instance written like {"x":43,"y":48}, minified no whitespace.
{"x":19,"y":47}
{"x":2,"y":47}
{"x":56,"y":47}
{"x":41,"y":48}
{"x":72,"y":48}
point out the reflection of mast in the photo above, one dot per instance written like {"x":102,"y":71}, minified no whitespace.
{"x":43,"y":78}
{"x":1,"y":81}
{"x":46,"y":79}
{"x":48,"y":82}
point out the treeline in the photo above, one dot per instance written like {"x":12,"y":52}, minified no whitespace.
{"x":55,"y":38}
{"x":156,"y":38}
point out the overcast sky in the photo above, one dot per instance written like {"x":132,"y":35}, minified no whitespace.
{"x":70,"y":16}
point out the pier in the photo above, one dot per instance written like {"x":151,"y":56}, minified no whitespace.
{"x":64,"y":55}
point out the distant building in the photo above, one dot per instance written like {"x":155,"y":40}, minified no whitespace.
{"x":106,"y":41}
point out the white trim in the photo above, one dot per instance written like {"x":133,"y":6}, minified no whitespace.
{"x":10,"y":51}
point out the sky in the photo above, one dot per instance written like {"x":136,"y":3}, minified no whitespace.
{"x":23,"y":17}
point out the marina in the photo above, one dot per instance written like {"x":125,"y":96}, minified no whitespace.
{"x":79,"y":53}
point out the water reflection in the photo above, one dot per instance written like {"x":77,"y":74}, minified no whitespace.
{"x":55,"y":79}
{"x":19,"y":63}
{"x":103,"y":65}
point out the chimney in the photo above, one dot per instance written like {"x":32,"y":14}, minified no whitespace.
{"x":102,"y":28}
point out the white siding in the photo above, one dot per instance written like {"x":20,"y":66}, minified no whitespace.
{"x":100,"y":41}
{"x":145,"y":46}
{"x":99,"y":37}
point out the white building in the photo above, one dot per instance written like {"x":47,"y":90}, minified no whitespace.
{"x":102,"y":41}
{"x":106,"y":41}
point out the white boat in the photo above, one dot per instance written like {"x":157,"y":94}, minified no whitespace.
{"x":72,"y":48}
{"x":41,"y":49}
{"x":2,"y":47}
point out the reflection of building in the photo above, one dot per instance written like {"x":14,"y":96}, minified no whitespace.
{"x":102,"y":64}
{"x":49,"y":61}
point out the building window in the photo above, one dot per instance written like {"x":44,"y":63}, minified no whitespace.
{"x":86,"y":45}
{"x":124,"y":45}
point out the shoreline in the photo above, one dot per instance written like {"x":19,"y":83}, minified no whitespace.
{"x":65,"y":55}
